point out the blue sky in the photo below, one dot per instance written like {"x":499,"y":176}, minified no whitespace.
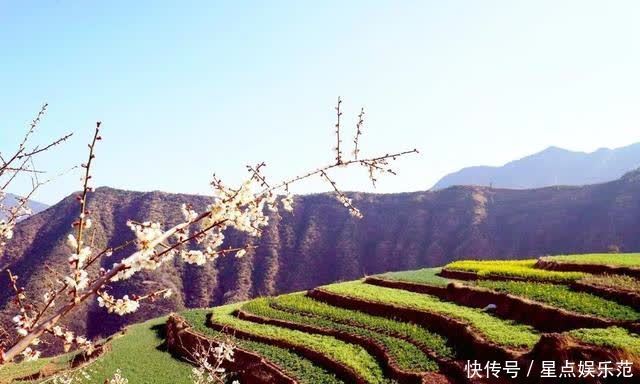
{"x":188,"y":89}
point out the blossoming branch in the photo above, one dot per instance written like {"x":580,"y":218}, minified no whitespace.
{"x":244,"y":208}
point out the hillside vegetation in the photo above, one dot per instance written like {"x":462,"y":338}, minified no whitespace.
{"x":319,"y":243}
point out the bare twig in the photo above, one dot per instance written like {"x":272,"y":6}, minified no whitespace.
{"x":356,"y":139}
{"x":337,"y":126}
{"x":240,"y":208}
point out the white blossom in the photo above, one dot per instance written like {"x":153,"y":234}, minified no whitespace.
{"x":224,"y":351}
{"x":68,"y":337}
{"x":6,"y":230}
{"x":348,"y":203}
{"x":23,"y":323}
{"x":118,"y":378}
{"x":57,"y":331}
{"x":79,"y":280}
{"x":146,"y":233}
{"x":188,"y":213}
{"x":72,"y":242}
{"x":287,"y":203}
{"x":194,"y":257}
{"x":81,"y":257}
{"x":120,"y":307}
{"x":30,"y":355}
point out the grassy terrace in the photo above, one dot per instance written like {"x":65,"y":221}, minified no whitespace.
{"x":418,"y":335}
{"x":14,"y":371}
{"x":423,"y":276}
{"x":350,"y":355}
{"x":136,"y":353}
{"x":523,"y":269}
{"x":408,"y":356}
{"x":620,"y":282}
{"x":609,"y":337}
{"x":617,"y":259}
{"x":562,"y":297}
{"x":501,"y":332}
{"x":298,"y":367}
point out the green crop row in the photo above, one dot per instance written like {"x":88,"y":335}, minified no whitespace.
{"x":617,"y":259}
{"x":427,"y":276}
{"x":350,"y":355}
{"x":501,"y":332}
{"x":615,"y":337}
{"x":562,"y":297}
{"x":310,"y":307}
{"x":514,"y":269}
{"x":298,"y":367}
{"x":620,"y":282}
{"x":408,"y":356}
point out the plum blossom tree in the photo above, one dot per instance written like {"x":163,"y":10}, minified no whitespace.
{"x":13,"y":165}
{"x":243,"y":208}
{"x":17,"y":163}
{"x":209,"y":362}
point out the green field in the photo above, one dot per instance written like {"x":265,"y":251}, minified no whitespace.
{"x":620,"y":282}
{"x":562,"y":297}
{"x":353,"y":356}
{"x":501,"y":332}
{"x":610,"y":337}
{"x":519,"y":269}
{"x":140,"y":355}
{"x":14,"y":371}
{"x":426,"y":276}
{"x":617,"y":259}
{"x":136,"y":354}
{"x":418,"y":335}
{"x":298,"y":367}
{"x":407,"y":355}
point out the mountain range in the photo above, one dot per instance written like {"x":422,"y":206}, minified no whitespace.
{"x":319,"y":242}
{"x":10,"y":200}
{"x":552,"y":166}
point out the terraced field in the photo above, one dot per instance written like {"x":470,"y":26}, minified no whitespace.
{"x":512,"y":269}
{"x":620,"y":282}
{"x":313,"y":309}
{"x":429,"y":276}
{"x":498,"y":331}
{"x":620,"y":260}
{"x":400,"y":327}
{"x":408,"y":356}
{"x":295,"y":366}
{"x":562,"y":296}
{"x":351,"y":356}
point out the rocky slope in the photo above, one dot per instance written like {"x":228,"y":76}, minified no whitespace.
{"x":320,"y":242}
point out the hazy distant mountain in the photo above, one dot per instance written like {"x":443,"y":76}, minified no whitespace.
{"x":11,"y":200}
{"x":553,"y":166}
